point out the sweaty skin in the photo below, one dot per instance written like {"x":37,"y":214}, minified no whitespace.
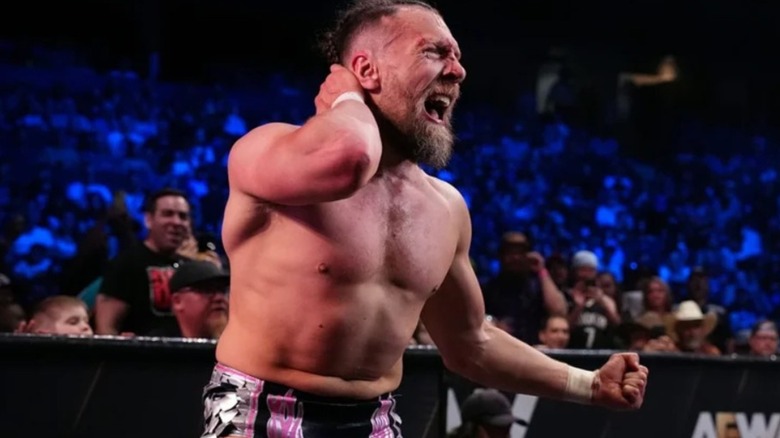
{"x":325,"y":298}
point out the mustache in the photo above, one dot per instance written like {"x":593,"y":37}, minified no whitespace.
{"x":453,"y":91}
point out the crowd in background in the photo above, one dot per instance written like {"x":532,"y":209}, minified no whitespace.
{"x":81,"y":151}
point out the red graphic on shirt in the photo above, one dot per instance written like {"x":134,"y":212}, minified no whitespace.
{"x":159,"y":290}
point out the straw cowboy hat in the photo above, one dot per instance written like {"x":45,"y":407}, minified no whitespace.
{"x":689,"y":311}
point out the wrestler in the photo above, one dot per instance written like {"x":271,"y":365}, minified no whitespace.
{"x":338,"y":243}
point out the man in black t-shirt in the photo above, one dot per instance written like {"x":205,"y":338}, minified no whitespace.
{"x":134,"y":295}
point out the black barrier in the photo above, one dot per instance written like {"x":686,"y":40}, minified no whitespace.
{"x":687,"y":397}
{"x":111,"y":387}
{"x":147,"y":387}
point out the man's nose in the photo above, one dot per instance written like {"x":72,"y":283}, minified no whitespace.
{"x":455,"y":70}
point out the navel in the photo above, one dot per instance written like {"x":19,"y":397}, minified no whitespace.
{"x":323,"y":268}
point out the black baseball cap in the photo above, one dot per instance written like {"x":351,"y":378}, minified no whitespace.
{"x":490,"y":407}
{"x":193,"y":273}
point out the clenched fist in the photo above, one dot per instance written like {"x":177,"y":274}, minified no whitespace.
{"x":620,"y":383}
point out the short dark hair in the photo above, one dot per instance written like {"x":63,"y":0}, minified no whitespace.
{"x":356,"y":17}
{"x":150,"y":203}
{"x":548,"y":318}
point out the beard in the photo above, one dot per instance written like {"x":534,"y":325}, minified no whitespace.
{"x":693,"y":344}
{"x":414,"y":136}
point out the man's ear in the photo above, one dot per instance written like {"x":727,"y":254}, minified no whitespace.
{"x":176,"y":301}
{"x":148,"y":221}
{"x":366,"y":70}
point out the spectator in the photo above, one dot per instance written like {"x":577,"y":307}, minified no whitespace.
{"x":555,"y":333}
{"x":690,"y":328}
{"x":522,"y":295}
{"x":135,"y":295}
{"x":657,"y":298}
{"x":59,"y":315}
{"x":593,"y":314}
{"x":764,"y":339}
{"x":699,"y":290}
{"x":486,"y":413}
{"x":647,"y":333}
{"x":199,"y":301}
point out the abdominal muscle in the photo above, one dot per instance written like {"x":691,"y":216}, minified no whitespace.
{"x":345,"y":341}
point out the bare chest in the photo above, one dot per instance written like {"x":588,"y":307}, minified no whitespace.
{"x":394,"y":233}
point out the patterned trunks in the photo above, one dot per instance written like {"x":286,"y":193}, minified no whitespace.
{"x":236,"y":404}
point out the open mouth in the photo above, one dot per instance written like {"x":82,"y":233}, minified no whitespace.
{"x":436,"y":107}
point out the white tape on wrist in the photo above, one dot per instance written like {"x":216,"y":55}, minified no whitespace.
{"x":349,"y":95}
{"x":579,"y":386}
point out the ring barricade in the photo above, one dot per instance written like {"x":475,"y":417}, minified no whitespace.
{"x":687,"y":396}
{"x":151,"y":387}
{"x":104,"y":386}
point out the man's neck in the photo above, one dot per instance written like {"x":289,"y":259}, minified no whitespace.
{"x":391,"y":157}
{"x":188,"y":331}
{"x":392,"y":154}
{"x":155,"y":249}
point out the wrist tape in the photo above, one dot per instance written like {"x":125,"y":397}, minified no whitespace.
{"x":579,"y":386}
{"x":349,"y":95}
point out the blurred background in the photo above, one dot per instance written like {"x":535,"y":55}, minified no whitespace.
{"x":644,"y":132}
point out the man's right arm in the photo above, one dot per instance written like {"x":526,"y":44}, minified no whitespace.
{"x":110,"y":312}
{"x":110,"y":306}
{"x":329,"y":158}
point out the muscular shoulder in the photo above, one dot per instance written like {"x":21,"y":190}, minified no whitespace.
{"x":451,"y":195}
{"x":261,"y":136}
{"x":255,"y":150}
{"x":455,"y":202}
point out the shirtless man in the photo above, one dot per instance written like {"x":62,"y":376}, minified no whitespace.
{"x":338,"y":243}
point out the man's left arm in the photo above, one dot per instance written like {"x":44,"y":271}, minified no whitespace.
{"x":455,"y":319}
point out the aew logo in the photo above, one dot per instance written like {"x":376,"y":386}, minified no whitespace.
{"x":737,"y":425}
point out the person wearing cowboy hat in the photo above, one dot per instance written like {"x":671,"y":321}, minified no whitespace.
{"x":690,"y":328}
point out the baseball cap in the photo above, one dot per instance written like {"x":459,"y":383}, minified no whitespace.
{"x":195,"y":272}
{"x":585,"y":259}
{"x":488,"y":406}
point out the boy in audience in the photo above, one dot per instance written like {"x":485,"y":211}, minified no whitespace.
{"x":59,"y":315}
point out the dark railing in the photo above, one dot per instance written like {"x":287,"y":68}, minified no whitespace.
{"x":151,"y":387}
{"x":63,"y":387}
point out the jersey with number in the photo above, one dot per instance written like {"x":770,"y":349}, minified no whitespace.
{"x":139,"y":277}
{"x":592,"y":330}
